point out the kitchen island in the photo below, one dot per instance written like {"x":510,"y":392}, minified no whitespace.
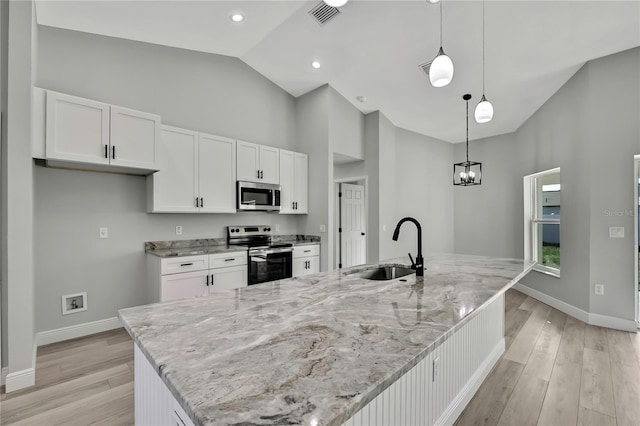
{"x":326,"y":349}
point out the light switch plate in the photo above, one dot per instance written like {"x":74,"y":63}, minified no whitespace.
{"x":104,"y":233}
{"x":323,"y":228}
{"x":616,"y":232}
{"x":178,"y":230}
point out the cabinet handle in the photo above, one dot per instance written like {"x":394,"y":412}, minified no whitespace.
{"x":307,"y":251}
{"x":201,"y":202}
{"x":211,"y":279}
{"x":207,"y":280}
{"x":187,"y":264}
{"x":293,"y":205}
{"x":106,"y":151}
{"x":113,"y":152}
{"x":258,"y":174}
{"x":261,"y":174}
{"x":296,"y":205}
{"x":229,"y":260}
{"x":197,"y":202}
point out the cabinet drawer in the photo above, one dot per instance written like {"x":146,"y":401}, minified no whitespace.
{"x":223,"y":260}
{"x":304,"y":251}
{"x":176,"y":265}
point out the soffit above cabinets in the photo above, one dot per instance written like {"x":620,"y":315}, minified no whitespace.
{"x":374,"y":48}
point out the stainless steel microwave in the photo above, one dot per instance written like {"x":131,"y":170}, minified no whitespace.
{"x":258,"y":196}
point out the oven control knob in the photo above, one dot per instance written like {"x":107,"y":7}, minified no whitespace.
{"x":233,"y":230}
{"x":237,"y":229}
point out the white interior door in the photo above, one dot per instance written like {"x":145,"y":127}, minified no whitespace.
{"x":353,"y":227}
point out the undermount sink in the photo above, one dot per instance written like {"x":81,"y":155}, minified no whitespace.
{"x":387,"y":273}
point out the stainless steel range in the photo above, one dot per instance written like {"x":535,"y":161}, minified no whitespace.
{"x":268,"y":261}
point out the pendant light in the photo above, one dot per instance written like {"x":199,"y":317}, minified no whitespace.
{"x":335,"y":3}
{"x":484,"y":110}
{"x":441,"y":70}
{"x":467,"y":173}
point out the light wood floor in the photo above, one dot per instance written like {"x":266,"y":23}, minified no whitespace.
{"x":78,"y":382}
{"x":556,"y":371}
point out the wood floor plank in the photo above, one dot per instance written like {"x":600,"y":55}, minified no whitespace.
{"x":560,"y":406}
{"x":621,"y":349}
{"x":572,"y":343}
{"x":626,"y":391}
{"x":588,"y":417}
{"x":596,"y":390}
{"x":487,"y":405}
{"x":529,"y":304}
{"x":635,"y":342}
{"x":543,"y":356}
{"x":523,"y":408}
{"x":596,"y":338}
{"x":523,"y":344}
{"x":513,"y":300}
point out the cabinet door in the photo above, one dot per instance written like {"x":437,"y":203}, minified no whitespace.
{"x":179,"y":286}
{"x":133,"y":138}
{"x":228,"y":278}
{"x":301,"y":176}
{"x":248,"y":163}
{"x":217,"y":171}
{"x":77,"y":129}
{"x":313,"y":265}
{"x":299,"y":267}
{"x":287,"y":182}
{"x":269,"y":164}
{"x":175,"y":185}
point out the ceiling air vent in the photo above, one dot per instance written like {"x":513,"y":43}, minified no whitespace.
{"x":323,"y":13}
{"x":426,"y":66}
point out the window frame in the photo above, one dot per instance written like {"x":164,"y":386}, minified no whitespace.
{"x":532,"y":221}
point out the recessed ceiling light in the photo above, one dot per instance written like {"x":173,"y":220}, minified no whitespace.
{"x":315,"y":64}
{"x":434,"y":1}
{"x":237,"y":17}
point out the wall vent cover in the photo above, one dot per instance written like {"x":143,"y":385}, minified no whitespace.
{"x":426,"y":66}
{"x":323,"y":13}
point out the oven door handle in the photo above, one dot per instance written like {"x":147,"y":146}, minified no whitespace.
{"x":264,"y":253}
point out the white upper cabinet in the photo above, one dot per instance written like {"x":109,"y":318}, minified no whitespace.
{"x":94,"y":133}
{"x":293,"y":179}
{"x":133,"y":137}
{"x":197,"y":173}
{"x":217,"y":174}
{"x":269,"y":164}
{"x":175,"y":187}
{"x":77,"y":129}
{"x":257,"y":163}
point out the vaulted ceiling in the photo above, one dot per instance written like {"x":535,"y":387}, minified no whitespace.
{"x":373,"y":49}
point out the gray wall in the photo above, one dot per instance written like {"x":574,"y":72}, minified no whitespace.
{"x":346,"y":127}
{"x":312,"y":115}
{"x":423,"y":190}
{"x":208,"y":93}
{"x":590,"y":129}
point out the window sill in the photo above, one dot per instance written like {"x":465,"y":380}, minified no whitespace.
{"x":547,"y":271}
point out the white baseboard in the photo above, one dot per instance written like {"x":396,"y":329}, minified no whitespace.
{"x":3,"y":375}
{"x":20,"y":380}
{"x":74,"y":331}
{"x":465,"y":395}
{"x":582,"y":315}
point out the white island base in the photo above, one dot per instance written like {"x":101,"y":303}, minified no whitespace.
{"x":434,"y":391}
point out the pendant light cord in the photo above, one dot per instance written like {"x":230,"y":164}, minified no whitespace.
{"x":441,"y":26}
{"x":467,"y":131}
{"x":482,"y":47}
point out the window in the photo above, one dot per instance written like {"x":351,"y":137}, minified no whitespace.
{"x":542,"y":220}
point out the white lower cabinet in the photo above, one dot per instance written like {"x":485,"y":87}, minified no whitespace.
{"x":194,"y":276}
{"x":306,"y":260}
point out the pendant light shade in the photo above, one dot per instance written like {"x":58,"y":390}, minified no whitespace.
{"x":441,"y":70}
{"x":484,"y":111}
{"x":335,"y":3}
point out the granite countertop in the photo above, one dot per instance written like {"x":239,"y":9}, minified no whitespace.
{"x":310,"y":350}
{"x":178,"y":248}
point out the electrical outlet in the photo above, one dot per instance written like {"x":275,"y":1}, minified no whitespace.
{"x":436,"y":368}
{"x":323,"y":228}
{"x":599,"y":289}
{"x":104,"y":233}
{"x":178,"y":230}
{"x":73,"y":303}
